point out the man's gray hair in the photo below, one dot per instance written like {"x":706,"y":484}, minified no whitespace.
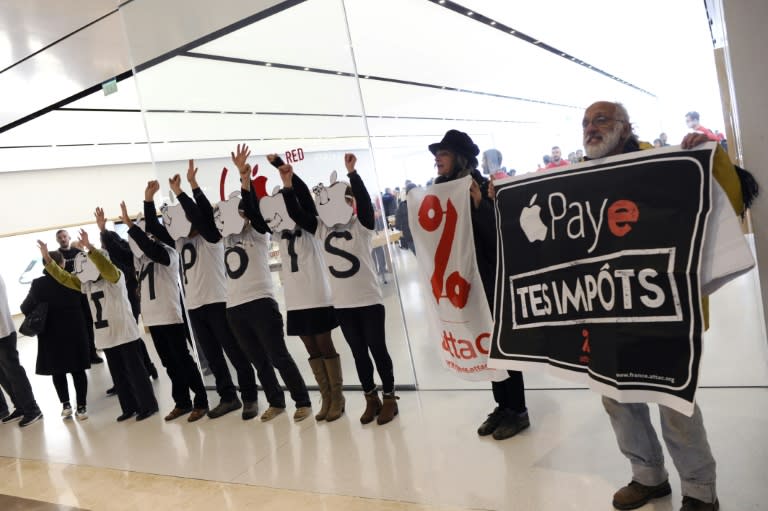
{"x":621,"y":113}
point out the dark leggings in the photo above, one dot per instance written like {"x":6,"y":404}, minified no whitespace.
{"x":319,"y":345}
{"x":62,"y":388}
{"x":363,"y":328}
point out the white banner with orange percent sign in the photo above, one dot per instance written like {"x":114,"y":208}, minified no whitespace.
{"x":460,"y":319}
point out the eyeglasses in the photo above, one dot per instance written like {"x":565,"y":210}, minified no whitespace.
{"x":599,"y":121}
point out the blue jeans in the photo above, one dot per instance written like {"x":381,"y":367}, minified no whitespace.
{"x":684,"y":436}
{"x":13,"y":378}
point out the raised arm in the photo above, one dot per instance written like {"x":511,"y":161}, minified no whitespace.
{"x":153,"y":224}
{"x":208,"y":229}
{"x":250,"y":202}
{"x":296,"y":210}
{"x":363,"y":199}
{"x":117,"y":247}
{"x":61,"y":275}
{"x":193,"y":211}
{"x":153,"y":249}
{"x":107,"y":269}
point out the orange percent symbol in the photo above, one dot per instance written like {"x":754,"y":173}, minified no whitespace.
{"x":431,"y":216}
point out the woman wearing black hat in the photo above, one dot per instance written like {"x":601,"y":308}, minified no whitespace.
{"x":456,"y":157}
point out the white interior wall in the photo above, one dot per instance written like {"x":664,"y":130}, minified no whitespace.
{"x":746,"y":40}
{"x":40,"y":199}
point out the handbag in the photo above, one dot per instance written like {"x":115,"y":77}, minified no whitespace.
{"x":34,"y":322}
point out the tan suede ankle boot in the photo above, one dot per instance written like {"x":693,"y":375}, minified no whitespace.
{"x":321,"y":377}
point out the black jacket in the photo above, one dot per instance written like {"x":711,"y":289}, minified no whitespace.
{"x":62,"y":347}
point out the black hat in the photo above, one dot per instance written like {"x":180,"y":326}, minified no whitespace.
{"x":458,"y":142}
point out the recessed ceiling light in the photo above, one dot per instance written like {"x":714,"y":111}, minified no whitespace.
{"x":442,"y":1}
{"x":470,"y":13}
{"x":306,"y":69}
{"x":511,"y":31}
{"x":268,"y":64}
{"x":536,"y":42}
{"x":338,"y":72}
{"x":493,"y":22}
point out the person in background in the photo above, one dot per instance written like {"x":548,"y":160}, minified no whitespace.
{"x":456,"y":157}
{"x":663,"y":138}
{"x":69,"y":250}
{"x":401,"y":221}
{"x":692,"y":121}
{"x":492,"y":164}
{"x":657,"y":143}
{"x":62,"y":346}
{"x":389,"y":202}
{"x":556,"y":160}
{"x":579,"y":155}
{"x":13,"y":377}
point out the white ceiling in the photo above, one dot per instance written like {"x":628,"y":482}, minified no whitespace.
{"x":410,"y":40}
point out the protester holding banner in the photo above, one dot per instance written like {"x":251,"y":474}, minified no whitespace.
{"x":603,"y":276}
{"x":357,"y":298}
{"x":308,"y":297}
{"x":456,"y":158}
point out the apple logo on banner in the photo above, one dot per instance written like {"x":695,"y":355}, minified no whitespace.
{"x":530,"y":222}
{"x":275,"y":213}
{"x":227,"y":215}
{"x":332,"y":207}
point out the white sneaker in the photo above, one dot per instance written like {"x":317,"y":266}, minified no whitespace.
{"x":82,"y":413}
{"x":66,"y":412}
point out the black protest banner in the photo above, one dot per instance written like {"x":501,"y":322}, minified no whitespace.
{"x":597,"y":274}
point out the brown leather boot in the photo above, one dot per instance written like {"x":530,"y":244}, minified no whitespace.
{"x":321,"y":377}
{"x":372,"y":407}
{"x":388,"y":409}
{"x":635,"y":495}
{"x":335,"y":381}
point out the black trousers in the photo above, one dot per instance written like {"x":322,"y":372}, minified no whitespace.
{"x":258,"y":327}
{"x":134,"y":390}
{"x":510,"y":393}
{"x":209,"y":323}
{"x":62,"y":388}
{"x":363,"y":328}
{"x":13,"y":378}
{"x":171,"y":345}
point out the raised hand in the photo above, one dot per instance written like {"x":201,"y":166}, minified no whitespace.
{"x":175,"y":184}
{"x":286,"y":174}
{"x":152,"y":188}
{"x":491,"y":190}
{"x":349,"y":161}
{"x":124,"y":215}
{"x":239,"y":159}
{"x":43,"y":246}
{"x":691,"y":140}
{"x":101,"y":220}
{"x":476,"y":194}
{"x":192,"y":174}
{"x":83,"y":240}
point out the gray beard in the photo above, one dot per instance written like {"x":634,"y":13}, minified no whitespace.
{"x":608,"y":144}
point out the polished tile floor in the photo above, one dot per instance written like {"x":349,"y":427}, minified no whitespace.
{"x":429,"y":455}
{"x":429,"y":458}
